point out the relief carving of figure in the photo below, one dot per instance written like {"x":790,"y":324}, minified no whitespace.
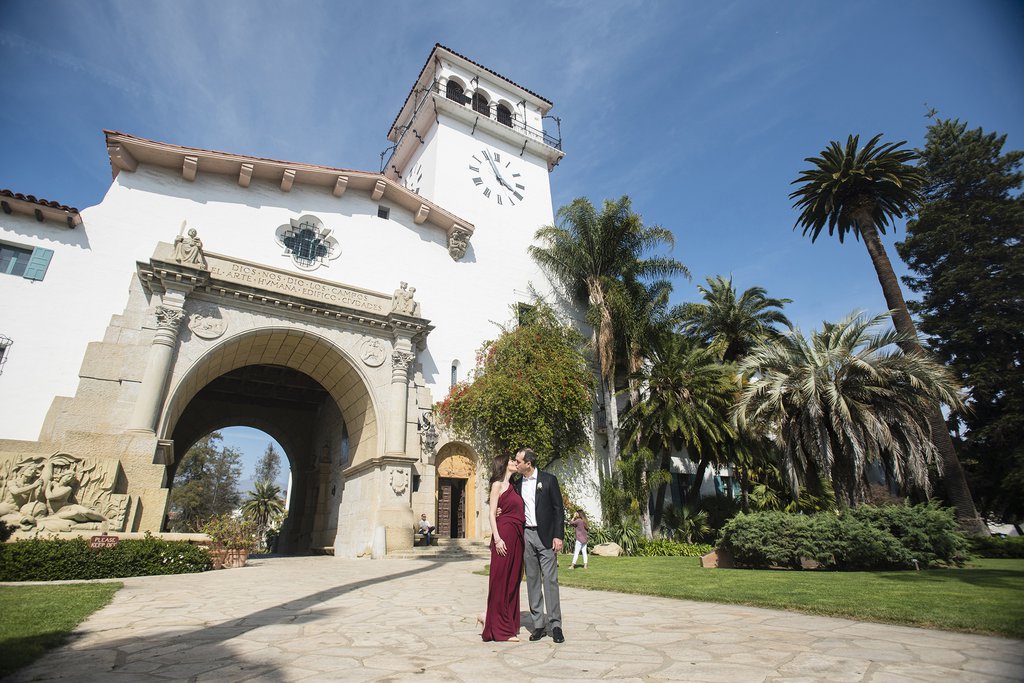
{"x":189,"y":250}
{"x":206,"y":325}
{"x":457,"y":245}
{"x":61,"y":493}
{"x":22,"y":499}
{"x":374,"y":353}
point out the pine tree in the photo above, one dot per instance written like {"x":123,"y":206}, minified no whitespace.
{"x":965,"y":249}
{"x":205,"y":484}
{"x":268,"y":467}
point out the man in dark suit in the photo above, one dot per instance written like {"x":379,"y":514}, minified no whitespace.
{"x":542,"y":541}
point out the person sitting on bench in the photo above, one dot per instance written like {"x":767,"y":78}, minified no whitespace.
{"x":425,"y":528}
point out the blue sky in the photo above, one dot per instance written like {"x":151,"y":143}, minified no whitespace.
{"x":702,"y":112}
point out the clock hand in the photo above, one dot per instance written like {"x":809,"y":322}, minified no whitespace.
{"x":497,"y":173}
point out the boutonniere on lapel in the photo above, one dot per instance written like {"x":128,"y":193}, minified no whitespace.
{"x":540,"y":485}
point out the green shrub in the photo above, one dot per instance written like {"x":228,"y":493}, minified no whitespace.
{"x":928,"y":532}
{"x":997,"y":546}
{"x":660,"y":547}
{"x":766,"y":539}
{"x":40,"y":559}
{"x":867,"y":537}
{"x":844,"y":542}
{"x":720,"y":510}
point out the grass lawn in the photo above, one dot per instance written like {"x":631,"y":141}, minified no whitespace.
{"x":987,"y":596}
{"x":38,"y":618}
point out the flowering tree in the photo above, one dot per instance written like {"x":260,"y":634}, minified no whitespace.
{"x":531,"y":387}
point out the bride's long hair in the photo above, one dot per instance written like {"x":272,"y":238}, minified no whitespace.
{"x":499,"y":464}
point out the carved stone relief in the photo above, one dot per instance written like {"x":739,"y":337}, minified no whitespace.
{"x":61,"y":492}
{"x":399,"y":480}
{"x":373,"y":352}
{"x":458,"y":242}
{"x":456,"y":464}
{"x":207,"y":323}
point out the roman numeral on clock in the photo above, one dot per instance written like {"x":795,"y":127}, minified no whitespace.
{"x":487,"y":192}
{"x":478,"y":180}
{"x":475,"y":169}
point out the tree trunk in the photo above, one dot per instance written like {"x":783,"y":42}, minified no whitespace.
{"x":606,"y":357}
{"x":952,"y":472}
{"x":698,"y":479}
{"x":659,"y":499}
{"x":645,"y":504}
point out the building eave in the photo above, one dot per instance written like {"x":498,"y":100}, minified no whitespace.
{"x":40,"y":209}
{"x":127,"y":152}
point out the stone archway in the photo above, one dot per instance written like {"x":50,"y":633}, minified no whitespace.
{"x":457,"y":504}
{"x":302,"y":389}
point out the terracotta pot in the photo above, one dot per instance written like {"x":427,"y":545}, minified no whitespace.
{"x":228,"y":558}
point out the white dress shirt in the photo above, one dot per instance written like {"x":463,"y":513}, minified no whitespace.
{"x":529,"y":491}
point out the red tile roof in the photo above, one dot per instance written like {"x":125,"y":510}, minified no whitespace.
{"x":34,"y":200}
{"x":461,"y":56}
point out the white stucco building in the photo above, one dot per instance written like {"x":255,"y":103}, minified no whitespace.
{"x":327,"y":307}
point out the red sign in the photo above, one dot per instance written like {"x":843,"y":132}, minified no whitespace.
{"x":103,"y":541}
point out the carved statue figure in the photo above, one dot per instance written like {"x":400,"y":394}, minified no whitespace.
{"x":412,"y":307}
{"x":400,"y":299}
{"x":457,"y":245}
{"x":189,"y":250}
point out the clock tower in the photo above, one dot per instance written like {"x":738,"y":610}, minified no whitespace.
{"x":473,"y":142}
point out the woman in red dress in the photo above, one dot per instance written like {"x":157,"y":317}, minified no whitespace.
{"x":501,"y":621}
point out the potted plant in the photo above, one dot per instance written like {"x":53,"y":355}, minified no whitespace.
{"x":231,"y":540}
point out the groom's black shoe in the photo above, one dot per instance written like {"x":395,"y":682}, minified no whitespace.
{"x":556,"y":635}
{"x":537,"y":634}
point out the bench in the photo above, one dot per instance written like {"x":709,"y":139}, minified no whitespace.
{"x":418,"y":539}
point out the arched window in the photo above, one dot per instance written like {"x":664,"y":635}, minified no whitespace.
{"x":504,"y":115}
{"x":481,"y":105}
{"x":453,"y":91}
{"x":455,"y":373}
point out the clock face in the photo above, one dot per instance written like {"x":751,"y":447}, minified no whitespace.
{"x":414,"y":180}
{"x":497,"y":177}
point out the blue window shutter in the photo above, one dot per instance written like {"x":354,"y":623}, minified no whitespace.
{"x":38,"y":263}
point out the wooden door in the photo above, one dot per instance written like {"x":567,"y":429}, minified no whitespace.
{"x":444,"y":507}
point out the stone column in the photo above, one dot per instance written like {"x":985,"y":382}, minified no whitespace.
{"x":401,"y":362}
{"x":169,"y":315}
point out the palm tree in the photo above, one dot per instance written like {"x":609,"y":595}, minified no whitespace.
{"x":729,"y":324}
{"x":732,"y":325}
{"x":587,"y":253}
{"x":843,"y":400}
{"x":689,"y":394}
{"x":862,"y":191}
{"x":263,"y":507}
{"x":641,"y":312}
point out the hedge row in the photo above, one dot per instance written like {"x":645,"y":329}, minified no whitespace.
{"x":867,"y":537}
{"x":57,"y":559}
{"x":996,"y":546}
{"x":660,"y":547}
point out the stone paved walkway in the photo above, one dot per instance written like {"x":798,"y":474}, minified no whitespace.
{"x":327,"y":619}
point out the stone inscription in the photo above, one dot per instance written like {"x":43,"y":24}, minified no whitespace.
{"x":287,"y":283}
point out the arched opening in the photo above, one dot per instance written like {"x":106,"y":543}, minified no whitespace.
{"x":454,"y":91}
{"x":457,"y":503}
{"x":480,"y":104}
{"x":238,"y":471}
{"x":504,"y":115}
{"x":301,"y":390}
